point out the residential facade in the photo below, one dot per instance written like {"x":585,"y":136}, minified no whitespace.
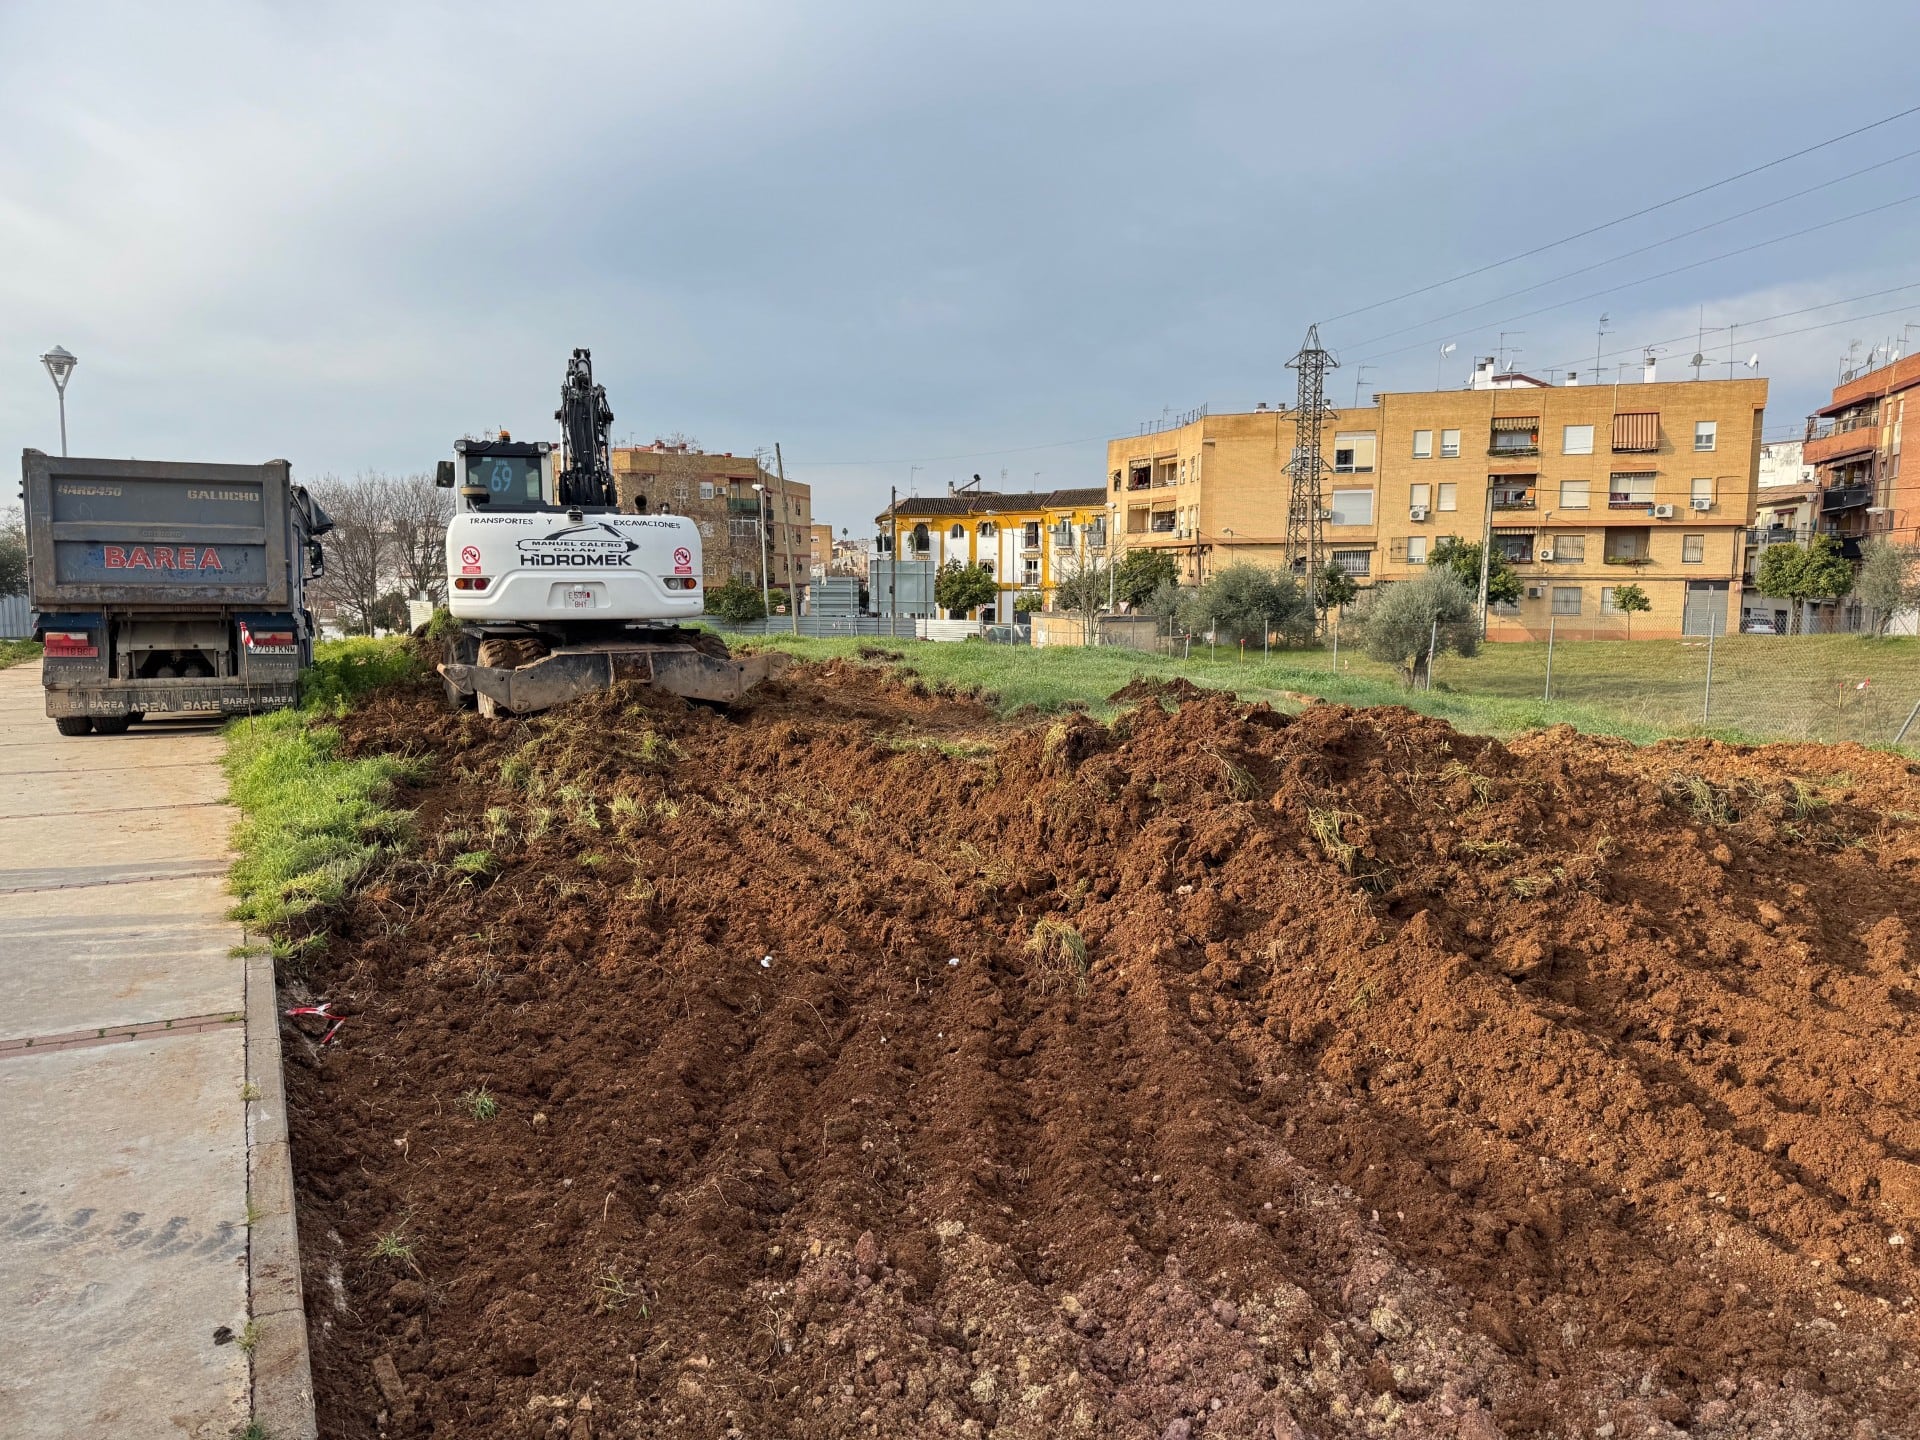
{"x":1584,"y":488}
{"x":1028,"y":540}
{"x":717,"y":491}
{"x":1853,"y":444}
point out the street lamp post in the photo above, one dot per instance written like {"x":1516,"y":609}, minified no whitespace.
{"x":760,"y":508}
{"x":60,"y":363}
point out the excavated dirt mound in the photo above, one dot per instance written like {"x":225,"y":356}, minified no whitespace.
{"x":866,"y":1067}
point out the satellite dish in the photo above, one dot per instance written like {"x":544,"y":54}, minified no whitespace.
{"x":1448,"y":348}
{"x":1753,"y":362}
{"x":1698,"y":360}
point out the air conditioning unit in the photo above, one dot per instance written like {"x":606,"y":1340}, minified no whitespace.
{"x":1417,"y":513}
{"x":1543,"y":555}
{"x":1702,"y":502}
{"x":1536,"y":592}
{"x":1663,"y":512}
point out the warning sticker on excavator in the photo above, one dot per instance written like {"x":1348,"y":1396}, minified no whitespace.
{"x":682,"y":560}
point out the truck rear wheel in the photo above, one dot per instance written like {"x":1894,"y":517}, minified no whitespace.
{"x":73,"y":724}
{"x":110,"y":724}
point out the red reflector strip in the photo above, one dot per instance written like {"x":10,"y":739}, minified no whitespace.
{"x":72,"y":644}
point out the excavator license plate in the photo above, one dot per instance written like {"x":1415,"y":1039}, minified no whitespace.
{"x":579,"y":598}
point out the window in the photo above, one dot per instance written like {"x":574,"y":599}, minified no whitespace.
{"x":1416,"y":550}
{"x":988,"y":529}
{"x":1449,"y":495}
{"x":1566,"y":599}
{"x":1116,"y":480}
{"x":1629,"y":490}
{"x":1515,"y":435}
{"x":958,"y":532}
{"x":1449,"y":444}
{"x":1352,"y":507}
{"x":706,"y":490}
{"x":987,"y":565}
{"x":1637,"y":432}
{"x":1574,"y":493}
{"x":1353,"y":453}
{"x":1693,"y":549}
{"x":1607,"y":607}
{"x":1030,"y":535}
{"x":1030,"y":571}
{"x":1702,"y":490}
{"x":680,"y":493}
{"x":706,"y":529}
{"x":1516,"y":546}
{"x":1357,"y":563}
{"x":1626,"y":547}
{"x":922,"y":539}
{"x":1705,"y":434}
{"x":744,"y":529}
{"x":1423,"y":444}
{"x":1576,"y":439}
{"x":1418,"y":496}
{"x":1570,"y":548}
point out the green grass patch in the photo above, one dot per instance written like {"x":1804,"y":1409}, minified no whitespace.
{"x":312,"y":820}
{"x":1816,"y":687}
{"x":18,"y":652}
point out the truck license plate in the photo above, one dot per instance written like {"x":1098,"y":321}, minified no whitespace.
{"x":580,"y":598}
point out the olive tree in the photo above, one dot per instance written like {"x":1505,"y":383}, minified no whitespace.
{"x":1402,"y":623}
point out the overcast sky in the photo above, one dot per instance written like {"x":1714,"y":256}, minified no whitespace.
{"x":348,"y":234}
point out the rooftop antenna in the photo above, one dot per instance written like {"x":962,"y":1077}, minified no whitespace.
{"x":1359,"y":378}
{"x":1503,"y":348}
{"x":1439,"y":370}
{"x":1305,"y":469}
{"x":1697,"y":361}
{"x":1599,"y":334}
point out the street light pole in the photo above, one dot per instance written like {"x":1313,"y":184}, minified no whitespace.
{"x":760,"y":508}
{"x":60,"y":362}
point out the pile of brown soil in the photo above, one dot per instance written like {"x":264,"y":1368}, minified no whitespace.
{"x":867,"y":1067}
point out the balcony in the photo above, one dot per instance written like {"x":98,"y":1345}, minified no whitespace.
{"x":1778,"y":535}
{"x":1161,"y":524}
{"x":1626,"y":500}
{"x":1030,"y":540}
{"x":1845,"y":497}
{"x":1629,"y":559}
{"x":1513,"y":498}
{"x":1513,"y":452}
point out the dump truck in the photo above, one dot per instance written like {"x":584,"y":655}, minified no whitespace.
{"x":163,"y":588}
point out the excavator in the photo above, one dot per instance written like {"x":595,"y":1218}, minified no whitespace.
{"x":555,"y":591}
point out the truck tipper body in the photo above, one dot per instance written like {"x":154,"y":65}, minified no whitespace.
{"x":167,"y":588}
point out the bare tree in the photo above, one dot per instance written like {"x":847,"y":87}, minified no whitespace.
{"x":418,"y":511}
{"x":360,"y":549}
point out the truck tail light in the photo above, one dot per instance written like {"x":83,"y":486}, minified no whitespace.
{"x":470,"y":582}
{"x":72,"y":645}
{"x":681,"y":582}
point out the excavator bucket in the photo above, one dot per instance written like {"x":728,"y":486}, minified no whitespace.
{"x":568,"y":673}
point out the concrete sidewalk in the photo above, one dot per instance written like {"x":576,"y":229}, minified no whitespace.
{"x":125,"y":1241}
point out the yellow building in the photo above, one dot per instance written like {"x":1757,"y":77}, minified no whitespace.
{"x":1584,"y":489}
{"x":1028,"y":540}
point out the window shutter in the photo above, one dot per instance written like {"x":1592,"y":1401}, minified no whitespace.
{"x":1637,"y":432}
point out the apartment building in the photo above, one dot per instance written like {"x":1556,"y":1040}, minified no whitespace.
{"x":718,"y":492}
{"x":1583,"y":489}
{"x":1027,"y":540}
{"x":1853,"y":444}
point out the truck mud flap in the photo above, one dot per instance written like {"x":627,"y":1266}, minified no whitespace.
{"x":568,"y":674}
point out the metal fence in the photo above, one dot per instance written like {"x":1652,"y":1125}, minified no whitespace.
{"x":16,"y":617}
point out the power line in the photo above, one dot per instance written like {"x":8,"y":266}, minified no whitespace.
{"x":1676,"y":270}
{"x":1621,"y":220}
{"x":1762,"y":320}
{"x":1641,"y":250}
{"x":963,"y":455}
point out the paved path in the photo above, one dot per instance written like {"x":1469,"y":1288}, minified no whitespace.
{"x":124,"y":1242}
